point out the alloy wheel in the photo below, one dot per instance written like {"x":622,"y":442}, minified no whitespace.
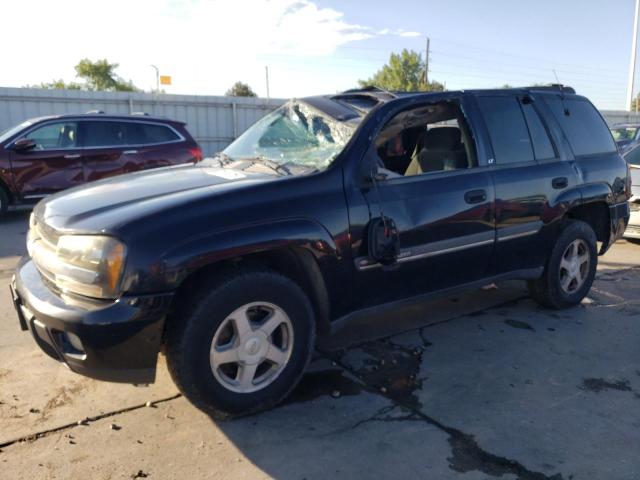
{"x":251,"y":347}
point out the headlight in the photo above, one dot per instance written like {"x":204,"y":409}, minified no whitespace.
{"x":96,"y":264}
{"x":88,"y":265}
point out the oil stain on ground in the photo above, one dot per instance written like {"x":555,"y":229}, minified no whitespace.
{"x":598,"y":385}
{"x":519,"y":324}
{"x":322,"y":383}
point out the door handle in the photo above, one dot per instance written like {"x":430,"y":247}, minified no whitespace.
{"x":559,"y":183}
{"x":72,"y":156}
{"x":130,"y":152}
{"x":475,"y":196}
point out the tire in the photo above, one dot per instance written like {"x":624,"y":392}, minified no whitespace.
{"x":4,"y":202}
{"x":215,"y":314}
{"x":567,"y":279}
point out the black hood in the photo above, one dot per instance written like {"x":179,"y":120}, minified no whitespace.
{"x":102,"y":204}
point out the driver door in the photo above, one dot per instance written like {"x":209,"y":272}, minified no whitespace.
{"x":53,"y":165}
{"x":445,"y":226}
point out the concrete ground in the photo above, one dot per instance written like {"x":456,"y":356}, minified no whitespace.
{"x":481,"y":385}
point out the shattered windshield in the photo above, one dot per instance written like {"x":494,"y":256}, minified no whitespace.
{"x":293,"y":135}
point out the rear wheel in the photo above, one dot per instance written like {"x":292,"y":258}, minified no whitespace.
{"x":242,"y":344}
{"x":570,"y":269}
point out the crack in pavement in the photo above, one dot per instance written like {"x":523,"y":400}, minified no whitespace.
{"x":85,"y":421}
{"x":467,"y":455}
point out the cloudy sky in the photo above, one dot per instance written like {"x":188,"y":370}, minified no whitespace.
{"x":322,"y":46}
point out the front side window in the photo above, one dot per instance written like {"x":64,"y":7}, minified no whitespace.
{"x":295,"y":133}
{"x":427,"y":139}
{"x":507,"y":129}
{"x":54,"y":136}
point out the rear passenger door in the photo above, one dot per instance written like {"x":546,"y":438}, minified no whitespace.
{"x":103,"y":148}
{"x":530,"y":173}
{"x":153,"y":145}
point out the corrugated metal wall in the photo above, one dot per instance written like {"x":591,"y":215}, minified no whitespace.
{"x":620,"y":116}
{"x":213,"y":121}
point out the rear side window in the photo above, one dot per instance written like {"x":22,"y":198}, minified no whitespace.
{"x":102,"y":133}
{"x":507,"y":129}
{"x":144,"y":133}
{"x":582,"y":124}
{"x":542,"y":146}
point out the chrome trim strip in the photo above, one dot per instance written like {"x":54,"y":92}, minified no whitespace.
{"x":518,"y":231}
{"x":42,"y":195}
{"x":432,"y":250}
{"x":518,"y":235}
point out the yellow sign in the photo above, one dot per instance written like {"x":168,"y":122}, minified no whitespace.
{"x":165,"y":79}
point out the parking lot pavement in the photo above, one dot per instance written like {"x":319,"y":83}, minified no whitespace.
{"x":485,"y":384}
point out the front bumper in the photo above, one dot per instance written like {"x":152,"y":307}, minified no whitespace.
{"x":120,"y":339}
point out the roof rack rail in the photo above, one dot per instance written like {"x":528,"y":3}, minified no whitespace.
{"x":552,"y":87}
{"x":367,"y":89}
{"x":93,"y":112}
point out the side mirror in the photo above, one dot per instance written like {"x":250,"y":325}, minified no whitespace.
{"x":383,"y":241}
{"x":24,"y":145}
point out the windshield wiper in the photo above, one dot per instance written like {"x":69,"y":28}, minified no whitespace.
{"x":275,"y":166}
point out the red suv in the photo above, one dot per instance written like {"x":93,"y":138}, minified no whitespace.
{"x":48,"y":154}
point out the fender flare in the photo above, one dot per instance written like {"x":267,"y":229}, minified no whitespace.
{"x":212,"y":247}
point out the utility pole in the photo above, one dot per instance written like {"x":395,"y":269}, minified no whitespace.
{"x":632,"y":68}
{"x":157,"y":78}
{"x":426,"y":62}
{"x":266,"y":72}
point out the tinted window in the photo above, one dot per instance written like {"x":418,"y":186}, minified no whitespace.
{"x":633,"y":156}
{"x":507,"y":129}
{"x":54,"y":136}
{"x":541,"y":143}
{"x":582,"y":124}
{"x":141,"y":133}
{"x":103,"y":133}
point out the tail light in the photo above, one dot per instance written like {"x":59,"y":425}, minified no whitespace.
{"x":196,"y":153}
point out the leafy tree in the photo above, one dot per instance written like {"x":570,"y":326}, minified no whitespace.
{"x":240,"y":89}
{"x":98,"y":75}
{"x":403,"y":72}
{"x":58,"y":84}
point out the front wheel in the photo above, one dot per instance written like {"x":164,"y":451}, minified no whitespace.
{"x":241,"y":344}
{"x":570,"y":269}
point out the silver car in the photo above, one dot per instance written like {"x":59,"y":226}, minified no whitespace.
{"x":633,"y":159}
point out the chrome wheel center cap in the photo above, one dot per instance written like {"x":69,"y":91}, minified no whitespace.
{"x":252,"y":346}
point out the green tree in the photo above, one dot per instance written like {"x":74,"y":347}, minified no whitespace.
{"x":404,"y":72}
{"x":57,"y":84}
{"x":240,"y":89}
{"x":100,"y":75}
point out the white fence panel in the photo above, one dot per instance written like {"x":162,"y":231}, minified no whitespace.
{"x":213,"y":121}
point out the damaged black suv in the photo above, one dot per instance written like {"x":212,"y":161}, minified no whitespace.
{"x":325,"y":209}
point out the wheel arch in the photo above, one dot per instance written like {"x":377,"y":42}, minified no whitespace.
{"x":292,"y":248}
